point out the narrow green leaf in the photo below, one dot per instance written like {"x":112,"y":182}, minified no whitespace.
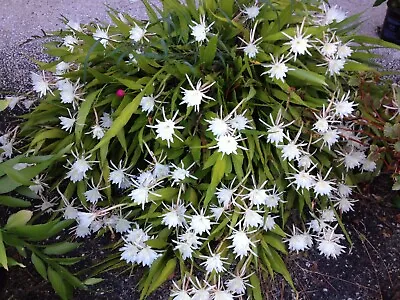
{"x":256,"y":287}
{"x":57,"y":283}
{"x":13,"y":202}
{"x":218,"y":172}
{"x":60,"y":248}
{"x":83,"y":112}
{"x":167,"y":270}
{"x":3,"y":254}
{"x":39,"y":266}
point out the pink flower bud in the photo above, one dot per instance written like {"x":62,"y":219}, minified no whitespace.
{"x":120,"y":93}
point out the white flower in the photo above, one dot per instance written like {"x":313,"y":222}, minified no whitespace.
{"x":93,"y":195}
{"x":330,"y":137}
{"x":70,"y":42}
{"x":102,"y":36}
{"x":344,"y":107}
{"x":74,"y":25}
{"x":252,"y":218}
{"x":140,"y":195}
{"x":302,"y":179}
{"x":368,"y":165}
{"x":85,"y":218}
{"x":299,"y":44}
{"x":237,"y":284}
{"x":332,"y":14}
{"x":292,"y":150}
{"x":251,"y":48}
{"x":273,"y":198}
{"x":175,"y":217}
{"x":62,"y":67}
{"x":219,"y":127}
{"x":122,"y":225}
{"x":106,"y":120}
{"x":200,"y":30}
{"x":269,"y":222}
{"x":147,"y":103}
{"x":217,"y":212}
{"x":222,"y":295}
{"x":305,"y":161}
{"x":299,"y":241}
{"x":13,"y":101}
{"x":97,"y":132}
{"x":69,"y":92}
{"x":194,"y":96}
{"x":137,"y":33}
{"x":329,"y":244}
{"x":137,"y":236}
{"x":200,"y":223}
{"x":275,"y":132}
{"x":344,"y":190}
{"x":329,"y":45}
{"x":225,"y":195}
{"x":68,"y":123}
{"x":82,"y":231}
{"x":166,"y":129}
{"x":146,"y":256}
{"x":40,"y":84}
{"x":344,"y":204}
{"x":252,"y":12}
{"x":160,"y":170}
{"x":146,"y":178}
{"x":258,"y":195}
{"x":328,"y":215}
{"x":214,"y":262}
{"x":352,"y":159}
{"x":239,"y":122}
{"x":344,"y":51}
{"x":278,"y":68}
{"x":179,"y":293}
{"x":129,"y":252}
{"x":38,"y":185}
{"x":187,"y":243}
{"x":228,"y":144}
{"x":119,"y":175}
{"x":322,"y":186}
{"x":78,"y":169}
{"x":335,"y":65}
{"x":241,"y":243}
{"x":179,"y":174}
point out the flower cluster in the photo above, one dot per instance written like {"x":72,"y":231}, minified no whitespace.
{"x":196,"y":139}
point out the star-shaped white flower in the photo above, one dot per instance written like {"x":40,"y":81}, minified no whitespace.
{"x":166,"y":129}
{"x":278,"y":68}
{"x":197,"y":94}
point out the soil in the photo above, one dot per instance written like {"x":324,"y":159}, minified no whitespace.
{"x":369,"y":271}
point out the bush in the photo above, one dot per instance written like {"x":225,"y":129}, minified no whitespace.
{"x":200,"y":134}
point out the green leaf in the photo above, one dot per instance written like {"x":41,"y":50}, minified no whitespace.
{"x":83,"y":112}
{"x":58,"y":283}
{"x":308,"y":77}
{"x":275,"y":242}
{"x":18,"y":219}
{"x":256,"y":287}
{"x":3,"y":104}
{"x":60,"y":248}
{"x":3,"y":254}
{"x":166,"y":272}
{"x":217,"y":173}
{"x":39,"y":266}
{"x":207,"y":54}
{"x":13,"y":202}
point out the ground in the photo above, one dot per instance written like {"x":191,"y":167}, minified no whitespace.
{"x":369,"y":271}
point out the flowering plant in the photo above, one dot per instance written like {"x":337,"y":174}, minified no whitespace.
{"x":195,"y":136}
